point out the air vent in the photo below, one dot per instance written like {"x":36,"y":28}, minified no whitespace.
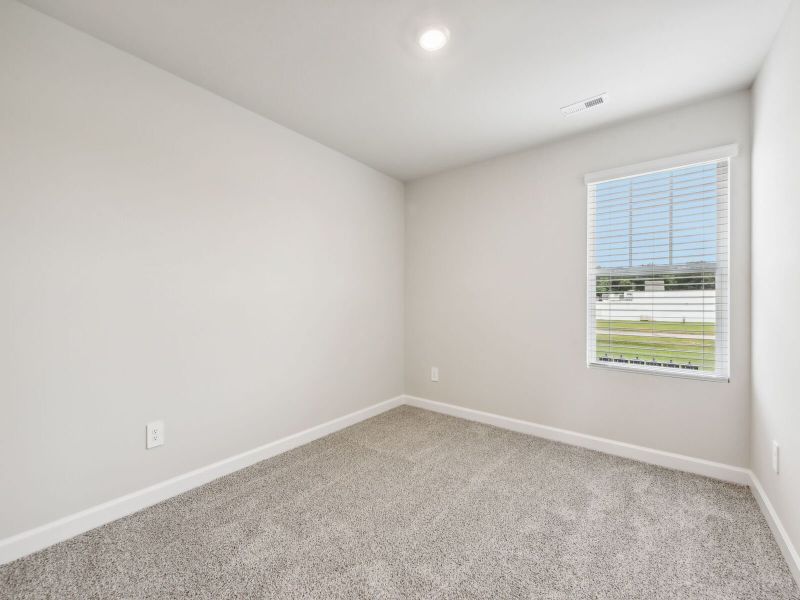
{"x":592,"y":102}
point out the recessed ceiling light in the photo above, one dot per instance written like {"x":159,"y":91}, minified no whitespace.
{"x":434,"y":38}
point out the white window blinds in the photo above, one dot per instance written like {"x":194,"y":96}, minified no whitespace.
{"x":658,"y":268}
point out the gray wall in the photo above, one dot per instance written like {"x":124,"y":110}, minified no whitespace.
{"x":496,"y":296}
{"x":776,"y":273}
{"x":167,"y":254}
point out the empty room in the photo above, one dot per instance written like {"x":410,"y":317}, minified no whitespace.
{"x":381,"y":299}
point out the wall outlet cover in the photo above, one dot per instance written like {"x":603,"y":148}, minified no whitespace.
{"x":155,"y":434}
{"x":776,"y":457}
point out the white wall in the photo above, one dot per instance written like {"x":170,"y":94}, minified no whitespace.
{"x":167,"y":254}
{"x":495,"y":290}
{"x":776,"y":273}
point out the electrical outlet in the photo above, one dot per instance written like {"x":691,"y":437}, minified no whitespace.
{"x":434,"y":373}
{"x":155,"y":434}
{"x":776,"y":457}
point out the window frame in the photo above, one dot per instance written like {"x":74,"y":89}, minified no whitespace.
{"x":720,"y":153}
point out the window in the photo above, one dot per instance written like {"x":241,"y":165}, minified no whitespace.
{"x":658,"y":266}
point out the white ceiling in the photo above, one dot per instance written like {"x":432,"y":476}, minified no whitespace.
{"x":349,"y":74}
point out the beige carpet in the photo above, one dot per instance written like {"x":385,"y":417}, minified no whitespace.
{"x":412,"y":504}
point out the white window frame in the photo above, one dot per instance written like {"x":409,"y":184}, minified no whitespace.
{"x":722,"y":292}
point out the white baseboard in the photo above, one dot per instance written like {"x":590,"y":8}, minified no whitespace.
{"x":38,"y":538}
{"x":641,"y":453}
{"x":670,"y":460}
{"x":784,"y":543}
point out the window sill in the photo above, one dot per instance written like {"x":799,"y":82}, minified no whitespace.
{"x":678,"y":373}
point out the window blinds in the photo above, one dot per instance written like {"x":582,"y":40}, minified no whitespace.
{"x":658,"y":270}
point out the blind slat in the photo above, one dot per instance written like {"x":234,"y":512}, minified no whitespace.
{"x":678,"y":206}
{"x":684,"y":219}
{"x":657,"y":181}
{"x":707,"y":191}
